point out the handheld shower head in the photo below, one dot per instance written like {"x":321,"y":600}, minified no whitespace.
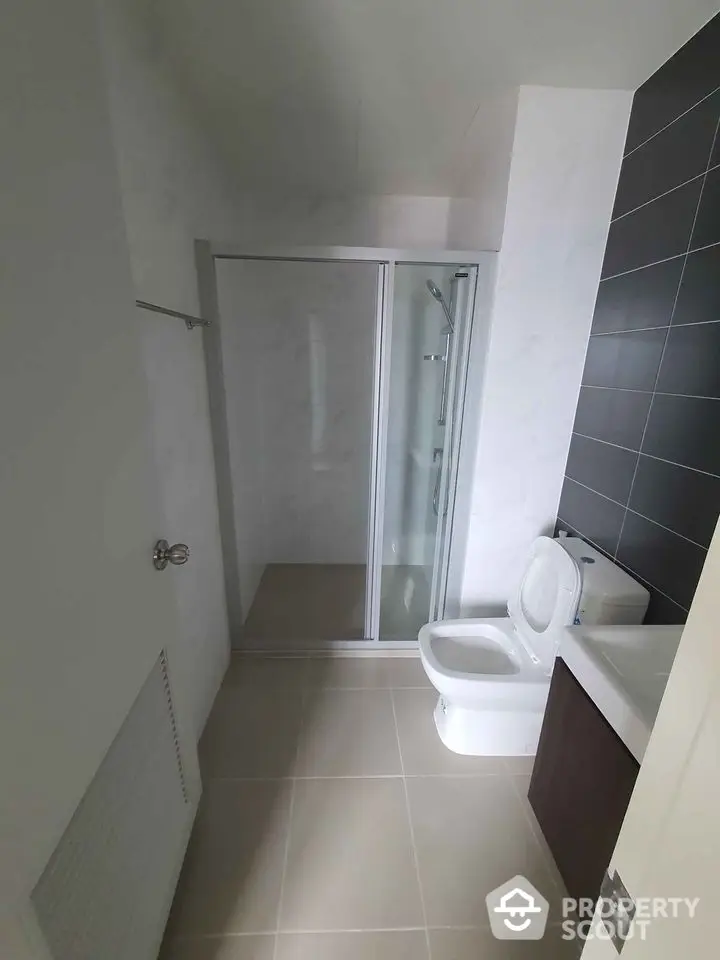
{"x":436,"y":292}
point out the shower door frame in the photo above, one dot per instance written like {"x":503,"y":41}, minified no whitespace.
{"x":386,"y":259}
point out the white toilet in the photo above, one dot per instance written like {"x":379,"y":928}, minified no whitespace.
{"x":493,"y":675}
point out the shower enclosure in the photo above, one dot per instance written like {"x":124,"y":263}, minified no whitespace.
{"x":337,"y":383}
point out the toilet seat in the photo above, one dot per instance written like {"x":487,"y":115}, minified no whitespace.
{"x":520,"y":646}
{"x":545,"y":600}
{"x":493,"y":674}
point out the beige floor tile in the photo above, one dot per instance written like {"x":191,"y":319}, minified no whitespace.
{"x":471,"y":835}
{"x":350,"y":861}
{"x":268,"y":673}
{"x":348,"y":733}
{"x":522,"y":783}
{"x":394,"y":945}
{"x":423,"y":752}
{"x":232,"y":875}
{"x":521,"y":766}
{"x":347,"y":673}
{"x":252,"y":733}
{"x":406,"y":672}
{"x":482,"y":945}
{"x":220,"y":948}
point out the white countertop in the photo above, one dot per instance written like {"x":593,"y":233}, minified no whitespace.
{"x":624,"y":671}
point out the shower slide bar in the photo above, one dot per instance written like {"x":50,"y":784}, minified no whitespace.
{"x":190,"y":321}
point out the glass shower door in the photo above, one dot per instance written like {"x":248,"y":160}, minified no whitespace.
{"x":427,"y":348}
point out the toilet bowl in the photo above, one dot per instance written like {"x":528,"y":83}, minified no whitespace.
{"x":493,"y":674}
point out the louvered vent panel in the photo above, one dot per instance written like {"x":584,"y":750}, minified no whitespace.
{"x":103,"y":894}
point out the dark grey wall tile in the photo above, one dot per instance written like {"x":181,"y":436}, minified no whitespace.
{"x":685,"y":430}
{"x":663,"y":610}
{"x":639,"y":311}
{"x":681,"y":499}
{"x":707,"y":225}
{"x":699,"y":297}
{"x":659,"y":230}
{"x":616,"y":416}
{"x":609,"y":470}
{"x":643,"y":298}
{"x":688,"y":76}
{"x":677,"y":154}
{"x":664,"y":559}
{"x":591,"y":515}
{"x":625,"y":360}
{"x":691,"y":362}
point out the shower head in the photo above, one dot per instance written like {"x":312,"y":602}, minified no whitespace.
{"x":436,"y":292}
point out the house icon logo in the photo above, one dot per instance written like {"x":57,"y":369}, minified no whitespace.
{"x":517,"y":910}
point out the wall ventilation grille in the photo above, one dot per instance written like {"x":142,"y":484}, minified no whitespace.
{"x":105,"y":890}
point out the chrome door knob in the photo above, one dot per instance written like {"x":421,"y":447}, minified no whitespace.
{"x":163,"y":554}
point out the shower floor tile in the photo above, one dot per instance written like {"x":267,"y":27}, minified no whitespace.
{"x":300,"y":602}
{"x":298,"y":605}
{"x":361,"y":839}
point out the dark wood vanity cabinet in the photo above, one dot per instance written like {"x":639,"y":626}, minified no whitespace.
{"x":581,"y":784}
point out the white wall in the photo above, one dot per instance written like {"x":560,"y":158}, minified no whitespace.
{"x":83,"y":613}
{"x":173,"y":191}
{"x":374,"y":221}
{"x":565,"y":163}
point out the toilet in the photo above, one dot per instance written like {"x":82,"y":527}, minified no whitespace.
{"x":493,"y":675}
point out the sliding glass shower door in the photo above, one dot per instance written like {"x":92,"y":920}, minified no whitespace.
{"x":298,"y":354}
{"x":426,"y":351}
{"x":341,"y":381}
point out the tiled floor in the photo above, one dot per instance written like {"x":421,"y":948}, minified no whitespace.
{"x":335,"y":825}
{"x":299,"y":604}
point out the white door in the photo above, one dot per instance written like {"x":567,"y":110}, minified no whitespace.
{"x":669,"y":845}
{"x":83,"y":614}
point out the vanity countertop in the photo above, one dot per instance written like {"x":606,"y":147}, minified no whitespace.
{"x":624,"y":671}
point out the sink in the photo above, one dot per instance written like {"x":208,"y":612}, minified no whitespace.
{"x":624,"y":671}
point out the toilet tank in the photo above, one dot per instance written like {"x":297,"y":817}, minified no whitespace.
{"x":608,"y":594}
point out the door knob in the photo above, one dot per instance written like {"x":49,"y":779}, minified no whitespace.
{"x":163,"y":554}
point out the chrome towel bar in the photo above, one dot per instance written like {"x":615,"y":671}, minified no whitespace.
{"x":190,"y":321}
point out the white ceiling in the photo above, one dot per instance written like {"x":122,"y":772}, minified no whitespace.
{"x":397,"y":96}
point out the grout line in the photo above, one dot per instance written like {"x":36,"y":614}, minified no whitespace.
{"x":291,"y":807}
{"x":411,"y":828}
{"x":637,"y":513}
{"x":662,"y":326}
{"x":633,"y":573}
{"x":309,"y":931}
{"x":597,"y":492}
{"x":655,"y":263}
{"x":612,"y":333}
{"x":667,"y":335}
{"x":665,"y":193}
{"x":649,"y":393}
{"x":607,"y":443}
{"x":683,"y":396}
{"x":674,"y":120}
{"x":594,"y":386}
{"x":650,"y":456}
{"x":663,"y":527}
{"x":479,"y":774}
